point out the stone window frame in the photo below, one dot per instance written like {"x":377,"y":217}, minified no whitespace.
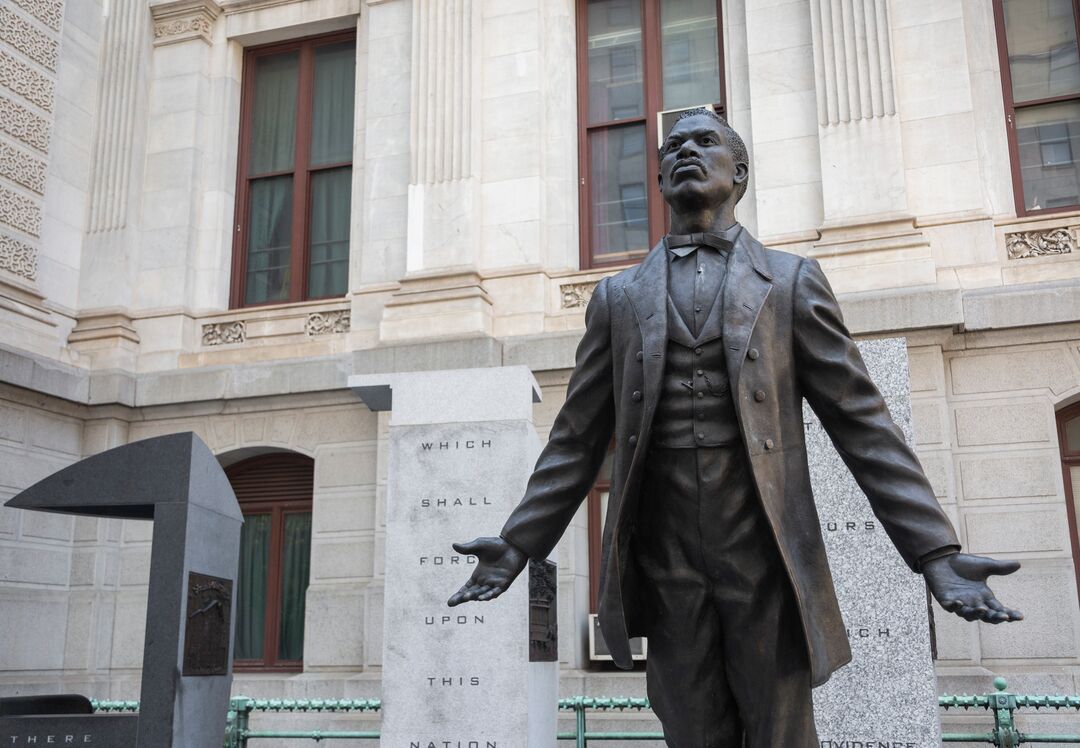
{"x":283,"y":499}
{"x":653,"y":105}
{"x":1011,"y":108}
{"x":1069,"y":459}
{"x":301,"y":172}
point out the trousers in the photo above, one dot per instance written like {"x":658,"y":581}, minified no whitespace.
{"x":727,"y":664}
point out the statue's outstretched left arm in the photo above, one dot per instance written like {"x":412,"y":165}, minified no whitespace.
{"x":834,"y":380}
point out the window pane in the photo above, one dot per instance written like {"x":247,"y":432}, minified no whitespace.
{"x":1046,"y":138}
{"x":691,"y":58}
{"x":1072,"y":438}
{"x":328,"y":270}
{"x":332,"y":104}
{"x":251,"y":587}
{"x":615,"y":67}
{"x":295,"y":569}
{"x":619,"y":196}
{"x":273,"y":121}
{"x":1041,"y":39}
{"x":269,"y":233}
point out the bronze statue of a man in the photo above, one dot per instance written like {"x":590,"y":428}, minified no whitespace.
{"x":697,"y":361}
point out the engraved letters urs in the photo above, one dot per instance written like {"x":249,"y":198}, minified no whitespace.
{"x":206,"y":635}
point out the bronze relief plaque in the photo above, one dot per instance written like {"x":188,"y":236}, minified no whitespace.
{"x":207,"y":632}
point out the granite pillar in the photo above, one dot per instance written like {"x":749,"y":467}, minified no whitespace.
{"x":887,"y":695}
{"x":461,"y":448}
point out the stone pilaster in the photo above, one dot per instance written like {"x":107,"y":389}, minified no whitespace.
{"x":108,"y":278}
{"x":444,"y":200}
{"x":868,"y":235}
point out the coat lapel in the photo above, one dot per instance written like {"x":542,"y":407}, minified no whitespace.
{"x":648,"y":296}
{"x":746,"y":286}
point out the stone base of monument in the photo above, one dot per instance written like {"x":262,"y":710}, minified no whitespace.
{"x":887,"y":695}
{"x":98,"y":730}
{"x":462,"y":446}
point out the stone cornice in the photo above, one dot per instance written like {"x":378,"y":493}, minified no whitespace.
{"x":181,"y":20}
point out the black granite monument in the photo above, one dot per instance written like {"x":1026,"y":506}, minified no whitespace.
{"x":176,"y":482}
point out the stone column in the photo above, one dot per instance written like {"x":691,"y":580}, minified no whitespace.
{"x":462,"y":446}
{"x":868,"y":239}
{"x":441,"y":292}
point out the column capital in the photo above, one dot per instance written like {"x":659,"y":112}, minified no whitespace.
{"x":181,"y":20}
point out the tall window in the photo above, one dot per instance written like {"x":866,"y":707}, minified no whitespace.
{"x":274,"y":492}
{"x":1040,"y":74}
{"x":295,"y":180}
{"x":1068,"y":422}
{"x":636,"y":60}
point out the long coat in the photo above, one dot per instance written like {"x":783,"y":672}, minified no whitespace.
{"x":784,"y":340}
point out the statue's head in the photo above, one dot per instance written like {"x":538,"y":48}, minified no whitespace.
{"x":703,"y":162}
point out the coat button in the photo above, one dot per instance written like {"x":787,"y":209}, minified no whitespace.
{"x":753,"y":354}
{"x":768,"y":443}
{"x":640,"y":356}
{"x":632,"y":440}
{"x":701,"y":436}
{"x":701,"y":394}
{"x":636,"y":397}
{"x":760,"y":396}
{"x":700,"y":372}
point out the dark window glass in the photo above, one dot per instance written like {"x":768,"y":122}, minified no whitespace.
{"x":691,"y":46}
{"x":1040,"y":64}
{"x":274,"y":492}
{"x":292,"y":233}
{"x":251,"y":587}
{"x":1043,"y":59}
{"x":636,"y":60}
{"x":619,"y":203}
{"x":1045,"y":136}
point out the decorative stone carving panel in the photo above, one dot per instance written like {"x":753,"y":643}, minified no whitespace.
{"x":323,"y":323}
{"x":22,"y":124}
{"x":22,"y":79}
{"x":220,"y":333}
{"x":576,"y":295}
{"x":17,"y":257}
{"x":22,"y":168}
{"x":182,"y":20}
{"x":22,"y":36}
{"x":1042,"y":243}
{"x":20,"y":212}
{"x":49,"y":12}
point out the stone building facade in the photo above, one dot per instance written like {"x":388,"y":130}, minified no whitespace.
{"x":884,"y":143}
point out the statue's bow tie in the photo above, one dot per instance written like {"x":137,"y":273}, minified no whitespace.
{"x":698,"y":240}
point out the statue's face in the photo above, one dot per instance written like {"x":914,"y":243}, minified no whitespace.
{"x":697,"y":167}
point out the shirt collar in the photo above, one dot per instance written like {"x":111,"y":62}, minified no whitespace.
{"x":686,"y":244}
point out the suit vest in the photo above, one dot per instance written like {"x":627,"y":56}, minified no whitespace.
{"x":695,"y":407}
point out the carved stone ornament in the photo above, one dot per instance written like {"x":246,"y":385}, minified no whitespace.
{"x":183,"y":20}
{"x":323,"y":323}
{"x":1042,"y":243}
{"x":23,"y":125}
{"x":17,"y":257}
{"x":576,"y":295}
{"x":22,"y":36}
{"x":22,"y":168}
{"x":22,"y":79}
{"x":222,"y":333}
{"x":20,"y":212}
{"x":49,"y":12}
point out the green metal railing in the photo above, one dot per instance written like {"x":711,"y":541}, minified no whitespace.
{"x":1002,"y":705}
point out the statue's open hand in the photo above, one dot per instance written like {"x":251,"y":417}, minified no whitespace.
{"x":498,"y":564}
{"x":958,"y":582}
